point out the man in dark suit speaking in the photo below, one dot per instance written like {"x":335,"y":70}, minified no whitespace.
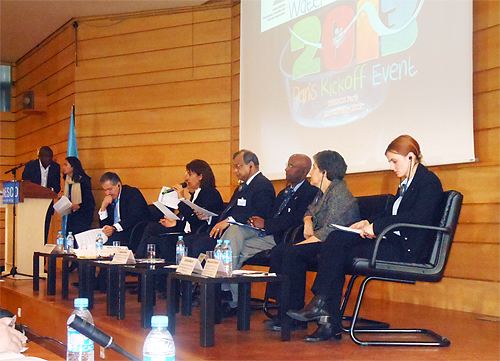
{"x":121,"y":209}
{"x":47,"y":173}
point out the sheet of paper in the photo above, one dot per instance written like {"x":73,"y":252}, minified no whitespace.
{"x":168,"y":197}
{"x":123,"y":256}
{"x":199,"y":209}
{"x":87,"y":239}
{"x":244,"y":225}
{"x":346,"y":229}
{"x":165,"y":210}
{"x":63,"y":206}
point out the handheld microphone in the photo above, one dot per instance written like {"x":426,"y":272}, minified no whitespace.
{"x":96,"y":335}
{"x":183,"y":185}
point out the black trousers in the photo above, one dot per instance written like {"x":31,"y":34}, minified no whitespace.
{"x":155,"y":233}
{"x":337,"y":254}
{"x":294,"y":261}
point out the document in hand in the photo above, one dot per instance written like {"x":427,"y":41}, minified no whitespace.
{"x":244,"y":225}
{"x":63,"y":206}
{"x":346,"y":229}
{"x":165,"y":210}
{"x":87,"y":239}
{"x":199,"y":209}
{"x":168,"y":197}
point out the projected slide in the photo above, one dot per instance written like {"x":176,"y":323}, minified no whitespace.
{"x":353,"y":75}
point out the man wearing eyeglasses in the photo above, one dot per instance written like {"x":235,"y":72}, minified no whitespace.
{"x":287,"y":212}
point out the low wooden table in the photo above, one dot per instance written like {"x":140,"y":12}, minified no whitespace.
{"x":209,"y":287}
{"x":51,"y":271}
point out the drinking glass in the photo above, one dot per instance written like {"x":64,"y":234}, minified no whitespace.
{"x":151,"y":251}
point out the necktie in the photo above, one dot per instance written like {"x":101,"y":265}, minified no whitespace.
{"x":116,"y":211}
{"x":289,"y":192}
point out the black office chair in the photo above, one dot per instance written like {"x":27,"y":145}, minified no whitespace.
{"x":410,"y":273}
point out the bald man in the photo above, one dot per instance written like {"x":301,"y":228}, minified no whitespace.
{"x":288,"y":212}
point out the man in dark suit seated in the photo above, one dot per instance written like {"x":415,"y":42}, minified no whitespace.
{"x":254,"y":197}
{"x":47,"y":173}
{"x":287,"y":212}
{"x":121,"y":209}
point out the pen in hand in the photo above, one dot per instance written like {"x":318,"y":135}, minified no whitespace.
{"x":13,"y":321}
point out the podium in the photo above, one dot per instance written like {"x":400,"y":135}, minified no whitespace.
{"x":31,"y":203}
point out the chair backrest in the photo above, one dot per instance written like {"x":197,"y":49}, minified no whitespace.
{"x":449,"y":212}
{"x":370,"y":206}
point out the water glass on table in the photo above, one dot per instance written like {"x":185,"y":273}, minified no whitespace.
{"x":151,"y":252}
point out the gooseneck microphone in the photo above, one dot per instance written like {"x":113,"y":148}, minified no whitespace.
{"x":183,"y":185}
{"x":96,"y":335}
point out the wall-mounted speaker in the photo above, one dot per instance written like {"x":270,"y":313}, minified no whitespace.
{"x":34,"y":102}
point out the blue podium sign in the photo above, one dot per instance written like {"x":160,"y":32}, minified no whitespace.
{"x":10,"y":192}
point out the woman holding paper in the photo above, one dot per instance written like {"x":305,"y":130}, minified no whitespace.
{"x":418,"y":197}
{"x":78,"y":189}
{"x":199,"y":188}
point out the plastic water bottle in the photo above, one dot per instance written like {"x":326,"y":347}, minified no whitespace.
{"x":218,"y":250}
{"x":60,"y":243}
{"x":80,"y":348}
{"x":159,"y":344}
{"x":70,"y":242}
{"x":227,"y":258}
{"x":98,"y":245}
{"x":180,"y":249}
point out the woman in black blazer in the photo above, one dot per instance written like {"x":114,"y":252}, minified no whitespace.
{"x":416,"y":201}
{"x":200,"y":189}
{"x":78,"y":189}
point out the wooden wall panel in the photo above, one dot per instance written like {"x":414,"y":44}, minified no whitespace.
{"x":486,"y":14}
{"x":155,"y":96}
{"x":147,"y":105}
{"x":205,"y":116}
{"x":486,"y":41}
{"x":160,"y":77}
{"x":486,"y":110}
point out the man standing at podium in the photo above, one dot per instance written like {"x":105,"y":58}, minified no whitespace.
{"x":47,"y":173}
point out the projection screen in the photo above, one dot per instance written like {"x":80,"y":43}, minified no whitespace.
{"x":353,"y":75}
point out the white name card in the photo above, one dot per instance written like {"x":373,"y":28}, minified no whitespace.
{"x":123,"y":255}
{"x":189,"y":265}
{"x":214,"y":268}
{"x":48,"y":248}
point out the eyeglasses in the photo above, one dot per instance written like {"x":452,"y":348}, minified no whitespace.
{"x":289,"y":165}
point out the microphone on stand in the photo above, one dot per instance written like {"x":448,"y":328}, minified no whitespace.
{"x":17,"y":167}
{"x":96,"y":335}
{"x":183,"y":185}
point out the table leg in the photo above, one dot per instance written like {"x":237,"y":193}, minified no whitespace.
{"x":187,"y":297}
{"x":207,"y":308}
{"x":286,"y":321}
{"x":36,"y":271}
{"x":147,"y":299}
{"x":122,"y":289}
{"x":244,"y":297}
{"x":112,"y":291}
{"x":51,"y":276}
{"x":86,"y":278}
{"x":218,"y":304}
{"x":65,"y":279}
{"x":172,"y":303}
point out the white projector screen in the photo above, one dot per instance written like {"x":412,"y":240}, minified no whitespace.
{"x":353,"y":75}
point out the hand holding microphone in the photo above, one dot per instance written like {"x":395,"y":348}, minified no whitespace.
{"x":175,"y":188}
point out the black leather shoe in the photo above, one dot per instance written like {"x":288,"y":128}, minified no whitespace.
{"x":274,"y":324}
{"x":313,"y":311}
{"x":228,"y":311}
{"x":324,"y":332}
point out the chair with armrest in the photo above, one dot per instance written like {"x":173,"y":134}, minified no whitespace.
{"x":410,"y":273}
